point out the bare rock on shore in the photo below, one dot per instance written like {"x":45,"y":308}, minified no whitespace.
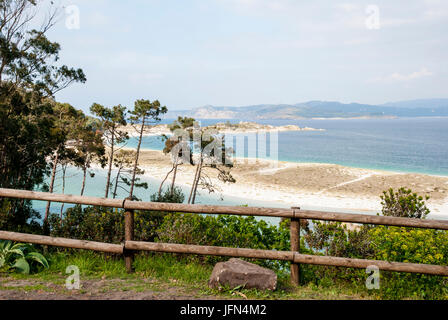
{"x":249,"y":126}
{"x":237,"y":272}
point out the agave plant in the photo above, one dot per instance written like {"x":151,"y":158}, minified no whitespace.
{"x":20,"y":256}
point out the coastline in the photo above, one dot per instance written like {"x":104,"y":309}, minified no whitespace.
{"x":308,"y":185}
{"x":242,"y":127}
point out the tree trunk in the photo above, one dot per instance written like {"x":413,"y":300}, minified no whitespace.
{"x":64,"y":169}
{"x":163,"y":181}
{"x":197,"y":182}
{"x":111,"y":160}
{"x":174,"y":179}
{"x":84,"y":175}
{"x":136,"y":158}
{"x":53,"y":175}
{"x":194,"y":183}
{"x":116,"y":182}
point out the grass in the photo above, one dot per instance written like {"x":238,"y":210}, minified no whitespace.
{"x":159,"y":273}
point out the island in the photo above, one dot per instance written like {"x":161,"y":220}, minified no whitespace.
{"x":221,"y":127}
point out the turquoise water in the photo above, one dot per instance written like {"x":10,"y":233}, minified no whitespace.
{"x":95,"y":187}
{"x":407,"y":145}
{"x":417,"y":145}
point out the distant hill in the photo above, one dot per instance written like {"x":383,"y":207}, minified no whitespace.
{"x":320,"y":109}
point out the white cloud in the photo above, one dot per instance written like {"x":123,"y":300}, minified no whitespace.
{"x":259,"y":6}
{"x":348,"y":7}
{"x":98,"y":19}
{"x":396,"y":76}
{"x":144,"y":78}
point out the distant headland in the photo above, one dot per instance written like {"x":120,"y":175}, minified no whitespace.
{"x":320,"y":110}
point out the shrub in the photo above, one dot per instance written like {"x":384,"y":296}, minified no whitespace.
{"x":89,"y":223}
{"x":107,"y":225}
{"x":103,"y":224}
{"x":404,"y":203}
{"x":20,"y":257}
{"x":396,"y":244}
{"x":19,"y":216}
{"x":414,"y":246}
{"x":225,"y":231}
{"x":176,"y":197}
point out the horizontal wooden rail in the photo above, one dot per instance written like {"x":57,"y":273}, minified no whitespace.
{"x":65,"y":198}
{"x":295,"y":214}
{"x":62,"y":242}
{"x":364,"y":263}
{"x":209,"y":209}
{"x":233,"y":210}
{"x":287,"y":255}
{"x":371,"y":219}
{"x":210,"y":250}
{"x":292,"y":256}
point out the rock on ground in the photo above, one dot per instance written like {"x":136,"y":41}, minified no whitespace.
{"x":236,"y":272}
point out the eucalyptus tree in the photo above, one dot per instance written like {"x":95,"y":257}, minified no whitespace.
{"x":30,"y":75}
{"x":212,"y":153}
{"x":178,"y":146}
{"x":27,"y":57}
{"x":123,"y":163}
{"x":145,"y":113}
{"x":90,"y":147}
{"x":67,"y":121}
{"x":111,"y":119}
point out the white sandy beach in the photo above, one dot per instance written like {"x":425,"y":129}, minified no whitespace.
{"x":309,"y":185}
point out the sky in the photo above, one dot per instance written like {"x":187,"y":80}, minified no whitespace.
{"x":191,"y":53}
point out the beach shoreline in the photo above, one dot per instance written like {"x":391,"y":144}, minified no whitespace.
{"x":308,"y":185}
{"x":241,"y":128}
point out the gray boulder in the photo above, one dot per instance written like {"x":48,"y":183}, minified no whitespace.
{"x":236,"y":272}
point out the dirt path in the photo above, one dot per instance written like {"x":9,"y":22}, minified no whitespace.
{"x":97,"y":289}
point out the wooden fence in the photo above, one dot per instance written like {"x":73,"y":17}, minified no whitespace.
{"x":129,"y":246}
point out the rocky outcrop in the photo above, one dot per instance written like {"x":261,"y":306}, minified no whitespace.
{"x":236,"y":272}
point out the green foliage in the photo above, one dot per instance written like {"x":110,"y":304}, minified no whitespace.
{"x":103,"y":224}
{"x":181,"y":123}
{"x":111,"y":118}
{"x":110,"y":121}
{"x":413,"y":246}
{"x":404,"y":203}
{"x":124,"y":163}
{"x":335,"y":239}
{"x":27,"y":57}
{"x":225,"y":231}
{"x":146,"y":112}
{"x":397,"y":244}
{"x":177,"y":196}
{"x":89,"y":223}
{"x":26,"y":220}
{"x":20,"y":257}
{"x":30,"y":75}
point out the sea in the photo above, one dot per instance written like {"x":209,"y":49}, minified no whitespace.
{"x":416,"y":145}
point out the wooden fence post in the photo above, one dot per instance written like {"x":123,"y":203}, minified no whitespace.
{"x":128,"y":236}
{"x":295,"y":247}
